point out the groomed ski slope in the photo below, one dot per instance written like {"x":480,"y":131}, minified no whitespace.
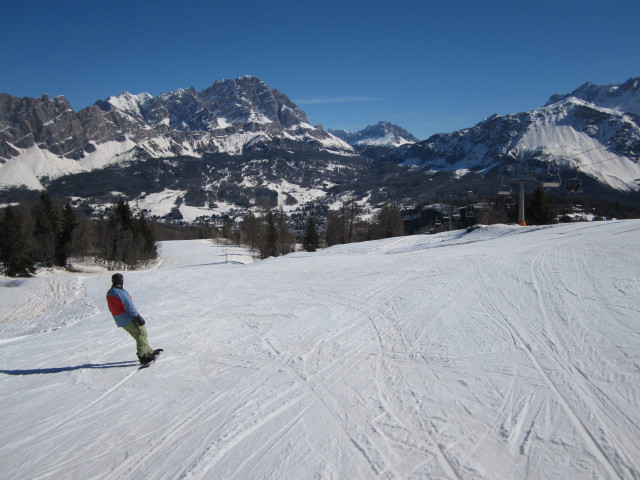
{"x":505,"y":353}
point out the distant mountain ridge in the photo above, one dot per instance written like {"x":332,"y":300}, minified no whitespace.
{"x":624,"y":97}
{"x":594,"y":131}
{"x":381,"y":134}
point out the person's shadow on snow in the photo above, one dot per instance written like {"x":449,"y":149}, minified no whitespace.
{"x":38,"y":371}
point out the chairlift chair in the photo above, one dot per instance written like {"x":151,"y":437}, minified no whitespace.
{"x":551,"y":178}
{"x":509,"y":201}
{"x":551,"y":181}
{"x":504,"y":190}
{"x":573,"y":185}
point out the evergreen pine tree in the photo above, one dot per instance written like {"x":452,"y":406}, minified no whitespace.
{"x":352,"y":222}
{"x":334,"y":233}
{"x":65,"y":235}
{"x":269,"y":247}
{"x":286,"y":238}
{"x":389,"y":222}
{"x":251,"y":230}
{"x":15,"y":252}
{"x":539,"y":211}
{"x":227,"y":227}
{"x":145,"y":238}
{"x":127,"y":241}
{"x":45,"y":230}
{"x":311,"y":240}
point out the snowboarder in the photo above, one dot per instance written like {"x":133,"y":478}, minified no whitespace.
{"x":126,"y":316}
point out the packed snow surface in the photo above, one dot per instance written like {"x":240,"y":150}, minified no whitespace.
{"x":507,"y":352}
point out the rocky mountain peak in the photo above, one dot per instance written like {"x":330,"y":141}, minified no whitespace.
{"x":380,"y":134}
{"x":49,"y":123}
{"x":250,"y":100}
{"x":624,"y":97}
{"x":45,"y":136}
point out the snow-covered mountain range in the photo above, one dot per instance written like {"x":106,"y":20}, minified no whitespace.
{"x":44,"y":138}
{"x":239,"y":142}
{"x":623,"y":97}
{"x":594,"y":130}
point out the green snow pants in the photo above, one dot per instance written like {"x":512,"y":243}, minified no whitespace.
{"x":139,"y":333}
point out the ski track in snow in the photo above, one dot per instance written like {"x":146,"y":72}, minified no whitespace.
{"x":508,"y":352}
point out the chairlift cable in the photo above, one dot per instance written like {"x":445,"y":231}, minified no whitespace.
{"x":605,"y":160}
{"x":594,"y":163}
{"x":586,"y":151}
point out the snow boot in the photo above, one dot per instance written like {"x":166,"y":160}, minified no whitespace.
{"x":147,"y":358}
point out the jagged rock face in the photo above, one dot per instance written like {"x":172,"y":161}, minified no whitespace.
{"x":228,"y":106}
{"x":102,"y":126}
{"x":49,"y":123}
{"x":249,"y":101}
{"x":624,"y":97}
{"x":181,"y":122}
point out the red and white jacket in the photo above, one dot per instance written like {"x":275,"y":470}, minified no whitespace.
{"x":121,"y":306}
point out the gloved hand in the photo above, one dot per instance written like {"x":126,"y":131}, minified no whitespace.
{"x":139,"y":321}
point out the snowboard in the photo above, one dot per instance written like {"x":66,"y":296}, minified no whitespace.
{"x":147,"y":365}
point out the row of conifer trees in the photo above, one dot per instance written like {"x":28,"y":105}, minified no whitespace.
{"x":47,"y":232}
{"x":269,"y":234}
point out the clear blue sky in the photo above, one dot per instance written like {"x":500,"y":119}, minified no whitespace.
{"x":429,"y":66}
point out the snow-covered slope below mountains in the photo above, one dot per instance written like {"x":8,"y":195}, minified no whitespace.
{"x":507,"y":352}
